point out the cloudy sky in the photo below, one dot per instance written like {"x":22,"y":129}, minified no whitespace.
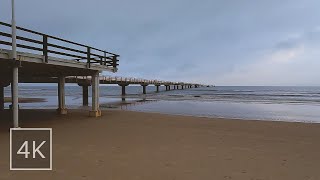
{"x":222,"y":42}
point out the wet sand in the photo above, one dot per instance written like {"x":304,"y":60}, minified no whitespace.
{"x":134,"y":145}
{"x":26,"y":100}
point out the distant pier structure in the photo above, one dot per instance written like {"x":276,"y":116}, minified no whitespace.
{"x":42,"y":58}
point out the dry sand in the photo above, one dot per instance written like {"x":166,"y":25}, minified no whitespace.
{"x":131,"y":145}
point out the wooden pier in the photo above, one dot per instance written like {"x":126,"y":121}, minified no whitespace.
{"x":42,"y":58}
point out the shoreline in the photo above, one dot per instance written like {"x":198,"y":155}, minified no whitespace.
{"x":135,"y":145}
{"x":218,"y":118}
{"x":157,"y":106}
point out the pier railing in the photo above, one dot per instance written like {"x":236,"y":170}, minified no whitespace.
{"x":50,"y":46}
{"x":129,"y":80}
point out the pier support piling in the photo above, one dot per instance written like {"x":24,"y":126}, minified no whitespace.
{"x":85,"y":92}
{"x":174,"y":87}
{"x":61,"y":96}
{"x":2,"y":86}
{"x":123,"y":90}
{"x":85,"y":96}
{"x":1,"y":98}
{"x":144,"y":91}
{"x":157,"y":86}
{"x":95,"y":112}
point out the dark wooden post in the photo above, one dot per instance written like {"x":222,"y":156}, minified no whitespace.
{"x":101,"y":60}
{"x":1,"y":98}
{"x":88,"y":57}
{"x":45,"y":48}
{"x":123,"y":90}
{"x":114,"y":61}
{"x":85,"y":95}
{"x":144,"y":91}
{"x":85,"y":92}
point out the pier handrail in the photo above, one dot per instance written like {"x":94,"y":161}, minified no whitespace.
{"x":131,"y":80}
{"x":101,"y":57}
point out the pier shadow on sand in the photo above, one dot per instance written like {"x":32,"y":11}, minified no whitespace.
{"x":39,"y":118}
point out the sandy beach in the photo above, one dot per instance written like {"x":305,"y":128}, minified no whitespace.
{"x":134,"y":145}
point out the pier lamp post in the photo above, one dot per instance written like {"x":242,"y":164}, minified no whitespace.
{"x":15,"y":69}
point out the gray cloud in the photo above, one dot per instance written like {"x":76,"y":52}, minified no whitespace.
{"x":208,"y":41}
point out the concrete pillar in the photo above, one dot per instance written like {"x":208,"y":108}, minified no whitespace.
{"x":157,"y":86}
{"x":144,"y":91}
{"x":15,"y":96}
{"x":174,"y":87}
{"x":167,"y":88}
{"x":181,"y":86}
{"x":95,"y":112}
{"x":61,"y":96}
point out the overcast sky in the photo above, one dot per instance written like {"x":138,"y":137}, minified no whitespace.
{"x":222,"y":42}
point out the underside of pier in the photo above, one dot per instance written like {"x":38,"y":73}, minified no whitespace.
{"x":57,"y":72}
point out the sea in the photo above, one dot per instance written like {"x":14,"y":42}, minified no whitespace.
{"x":271,"y":103}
